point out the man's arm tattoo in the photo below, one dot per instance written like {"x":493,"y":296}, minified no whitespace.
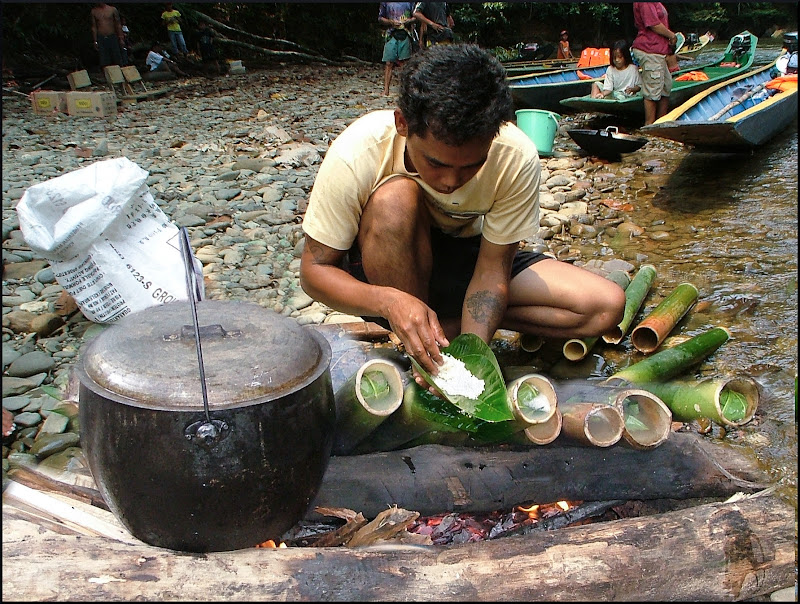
{"x":320,"y":253}
{"x":485,"y":307}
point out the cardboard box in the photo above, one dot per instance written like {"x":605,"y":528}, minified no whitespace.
{"x":95,"y":104}
{"x":48,"y":102}
{"x":79,"y":79}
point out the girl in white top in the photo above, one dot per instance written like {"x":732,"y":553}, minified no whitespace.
{"x":622,"y":78}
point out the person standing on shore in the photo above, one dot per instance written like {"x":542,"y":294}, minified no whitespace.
{"x":416,"y":216}
{"x":650,"y":49}
{"x":397,"y":47}
{"x":436,"y":23}
{"x":172,"y":19}
{"x":107,"y":34}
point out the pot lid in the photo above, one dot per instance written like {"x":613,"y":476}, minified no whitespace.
{"x":250,"y":355}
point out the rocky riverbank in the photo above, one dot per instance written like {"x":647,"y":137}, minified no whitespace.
{"x":233,"y":159}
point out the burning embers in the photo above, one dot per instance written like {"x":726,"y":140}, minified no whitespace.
{"x":442,"y":529}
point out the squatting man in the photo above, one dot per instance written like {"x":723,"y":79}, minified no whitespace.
{"x":416,"y":216}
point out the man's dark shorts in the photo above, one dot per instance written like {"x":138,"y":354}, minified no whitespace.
{"x":110,"y":50}
{"x":453,"y":263}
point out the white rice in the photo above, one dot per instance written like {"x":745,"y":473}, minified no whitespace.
{"x":455,"y":379}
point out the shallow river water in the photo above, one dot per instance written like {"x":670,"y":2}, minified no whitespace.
{"x":727,"y":223}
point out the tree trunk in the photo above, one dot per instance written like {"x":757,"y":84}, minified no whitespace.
{"x":289,"y":54}
{"x":711,"y":552}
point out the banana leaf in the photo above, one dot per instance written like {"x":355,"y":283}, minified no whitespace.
{"x":492,"y":404}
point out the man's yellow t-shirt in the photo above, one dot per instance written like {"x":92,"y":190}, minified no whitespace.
{"x":171,"y":18}
{"x":501,"y":201}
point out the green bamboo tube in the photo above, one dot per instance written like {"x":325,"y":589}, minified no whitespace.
{"x":592,"y":423}
{"x":730,"y":401}
{"x":364,"y":401}
{"x":646,"y":419}
{"x":576,"y":349}
{"x":648,"y":335}
{"x":532,"y":398}
{"x":635,"y":294}
{"x":412,"y":421}
{"x":670,"y":362}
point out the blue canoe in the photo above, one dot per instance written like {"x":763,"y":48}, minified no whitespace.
{"x":735,"y":115}
{"x":545,"y":90}
{"x":736,"y":60}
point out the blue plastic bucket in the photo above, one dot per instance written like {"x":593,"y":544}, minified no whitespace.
{"x":540,"y":126}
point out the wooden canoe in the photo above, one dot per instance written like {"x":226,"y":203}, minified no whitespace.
{"x":749,"y":117}
{"x":737,"y":60}
{"x":516,"y":68}
{"x":545,"y":90}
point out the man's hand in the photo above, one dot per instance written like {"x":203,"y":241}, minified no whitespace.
{"x":418,"y":327}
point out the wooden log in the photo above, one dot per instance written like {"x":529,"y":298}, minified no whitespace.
{"x":711,"y":552}
{"x":433,"y":479}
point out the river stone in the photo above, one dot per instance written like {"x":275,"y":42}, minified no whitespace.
{"x":19,"y":385}
{"x":629,"y":229}
{"x":49,"y":444}
{"x":22,"y":270}
{"x":17,"y":459}
{"x":27,"y":419}
{"x":9,"y":355}
{"x":70,"y":460}
{"x":31,"y":364}
{"x":54,"y":424}
{"x":15,"y":403}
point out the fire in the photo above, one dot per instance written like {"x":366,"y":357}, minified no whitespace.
{"x":536,"y":511}
{"x":269,"y":543}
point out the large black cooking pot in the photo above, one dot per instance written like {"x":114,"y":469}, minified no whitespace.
{"x":225,"y":475}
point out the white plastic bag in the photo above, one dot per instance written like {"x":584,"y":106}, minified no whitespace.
{"x":110,"y":246}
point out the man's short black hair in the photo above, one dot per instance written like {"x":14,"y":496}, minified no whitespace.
{"x":457,"y":91}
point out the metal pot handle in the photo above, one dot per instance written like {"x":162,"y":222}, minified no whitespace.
{"x":209,"y":432}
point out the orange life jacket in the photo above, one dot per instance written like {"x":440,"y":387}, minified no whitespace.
{"x":692,"y":76}
{"x":783,"y":83}
{"x":594,"y":56}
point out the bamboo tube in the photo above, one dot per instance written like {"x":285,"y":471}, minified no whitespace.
{"x":411,"y":421}
{"x":530,"y":343}
{"x":591,"y":423}
{"x":646,"y":419}
{"x":532,"y":398}
{"x":648,"y":335}
{"x":635,"y":294}
{"x":545,"y":432}
{"x":670,"y":362}
{"x":364,"y":401}
{"x":730,"y":401}
{"x":576,"y":349}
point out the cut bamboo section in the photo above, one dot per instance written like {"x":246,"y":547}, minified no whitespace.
{"x":648,"y":335}
{"x":371,"y":395}
{"x":730,"y":401}
{"x":671,"y":362}
{"x":591,"y":423}
{"x":546,"y":432}
{"x":635,"y":294}
{"x":532,"y":398}
{"x":530,"y":343}
{"x":576,"y":349}
{"x":646,"y":419}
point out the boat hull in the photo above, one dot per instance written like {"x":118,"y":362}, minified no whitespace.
{"x":544,"y":91}
{"x":742,"y":127}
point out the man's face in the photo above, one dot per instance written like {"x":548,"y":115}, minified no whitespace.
{"x":443,"y":167}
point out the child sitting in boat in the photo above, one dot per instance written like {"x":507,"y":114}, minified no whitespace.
{"x":622,"y":78}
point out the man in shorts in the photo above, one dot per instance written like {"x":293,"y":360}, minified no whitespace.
{"x":416,"y":217}
{"x":397,"y":48}
{"x":654,"y":41}
{"x":109,"y":39}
